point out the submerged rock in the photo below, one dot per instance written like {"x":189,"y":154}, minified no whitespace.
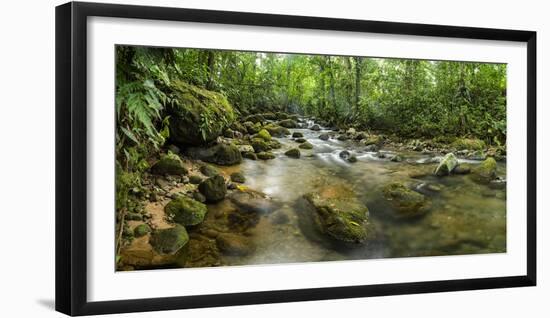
{"x":352,"y":159}
{"x":213,"y":188}
{"x":185,"y":211}
{"x":234,"y":244}
{"x":344,"y":154}
{"x":297,"y":134}
{"x":372,"y":148}
{"x":306,"y":145}
{"x":293,"y":153}
{"x":221,"y":154}
{"x":300,"y":140}
{"x":265,"y":155}
{"x":190,"y":103}
{"x":446,"y":165}
{"x":169,"y":164}
{"x":238,"y":177}
{"x":315,"y":127}
{"x":462,"y":169}
{"x":407,"y":203}
{"x":245,"y":148}
{"x":169,"y":241}
{"x":397,"y":158}
{"x":485,"y":171}
{"x":340,"y":215}
{"x":324,"y":137}
{"x":250,"y":201}
{"x":195,"y":179}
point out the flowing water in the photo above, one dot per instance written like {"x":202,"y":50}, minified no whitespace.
{"x":464,"y":218}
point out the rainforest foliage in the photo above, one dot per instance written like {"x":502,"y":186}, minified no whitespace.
{"x":408,"y":98}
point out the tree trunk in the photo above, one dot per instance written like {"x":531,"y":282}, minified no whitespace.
{"x":210,"y":68}
{"x":358,"y":66}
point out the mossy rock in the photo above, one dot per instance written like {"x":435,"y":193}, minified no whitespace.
{"x":315,"y":127}
{"x":190,"y":105}
{"x":185,"y":211}
{"x":142,"y":230}
{"x":195,"y":179}
{"x":213,"y":188}
{"x":288,"y":123}
{"x":238,"y":177}
{"x":274,"y":144}
{"x":169,"y":241}
{"x":276,"y":130}
{"x":462,"y":169}
{"x":259,"y":145}
{"x":209,"y":170}
{"x":324,"y":136}
{"x":293,"y":153}
{"x":485,"y":171}
{"x":397,"y":158}
{"x":252,"y":128}
{"x":300,"y":140}
{"x":169,"y":164}
{"x":264,"y":134}
{"x":352,"y":159}
{"x":237,"y":126}
{"x":269,"y":116}
{"x":265,"y":155}
{"x":255,"y":118}
{"x":407,"y":203}
{"x":221,"y":154}
{"x":446,"y":165}
{"x":341,"y":217}
{"x":373,"y":140}
{"x":468,"y":144}
{"x":250,"y":155}
{"x":297,"y":134}
{"x":306,"y":145}
{"x":132,"y":216}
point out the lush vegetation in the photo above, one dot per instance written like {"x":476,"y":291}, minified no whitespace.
{"x":406,"y":98}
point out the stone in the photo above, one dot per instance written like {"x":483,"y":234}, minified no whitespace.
{"x":397,"y":158}
{"x":324,"y":137}
{"x":288,"y":123}
{"x":250,"y":155}
{"x":300,"y":140}
{"x":142,"y":230}
{"x":468,"y":144}
{"x":344,"y":154}
{"x":446,"y":165}
{"x":213,"y":188}
{"x":169,"y":241}
{"x":265,"y":155}
{"x":462,"y":169}
{"x":195,"y":179}
{"x":188,"y":106}
{"x":306,"y":145}
{"x":234,"y":244}
{"x":315,"y":127}
{"x":209,"y":170}
{"x":185,"y":211}
{"x":245,"y":148}
{"x":169,"y":164}
{"x":276,"y":130}
{"x":221,"y":154}
{"x":259,"y":145}
{"x":293,"y":153}
{"x":485,"y":171}
{"x":238,"y":177}
{"x":406,"y":202}
{"x":264,"y":134}
{"x":297,"y":134}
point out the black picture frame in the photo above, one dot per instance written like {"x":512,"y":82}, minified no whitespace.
{"x":71,"y":157}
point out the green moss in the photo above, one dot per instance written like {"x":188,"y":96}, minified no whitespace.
{"x":141,"y":230}
{"x":259,"y":145}
{"x":276,"y":130}
{"x":407,"y":203}
{"x":197,"y":116}
{"x":169,"y":164}
{"x":468,"y":144}
{"x":265,"y":155}
{"x":185,"y":211}
{"x":447,"y":165}
{"x":264,"y":134}
{"x":169,"y":241}
{"x":238,"y":177}
{"x":288,"y":123}
{"x":213,"y":188}
{"x":485,"y":171}
{"x":209,"y":170}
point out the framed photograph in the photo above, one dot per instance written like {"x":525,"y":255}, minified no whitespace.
{"x":208,"y":158}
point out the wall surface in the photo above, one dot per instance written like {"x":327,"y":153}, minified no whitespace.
{"x":27,"y":158}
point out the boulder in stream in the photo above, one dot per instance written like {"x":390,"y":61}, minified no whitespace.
{"x":276,"y":130}
{"x":315,"y":127}
{"x":446,"y":165}
{"x":293,"y":153}
{"x":306,"y":145}
{"x":297,"y":134}
{"x":234,"y":244}
{"x":185,"y":211}
{"x":288,"y":123}
{"x":238,"y":177}
{"x":406,"y":202}
{"x":221,"y":154}
{"x":324,"y":136}
{"x":485,"y":171}
{"x":213,"y":188}
{"x":344,"y":154}
{"x":264,"y":134}
{"x":340,"y":215}
{"x":259,"y":145}
{"x":209,"y":170}
{"x":265,"y":155}
{"x":169,"y":241}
